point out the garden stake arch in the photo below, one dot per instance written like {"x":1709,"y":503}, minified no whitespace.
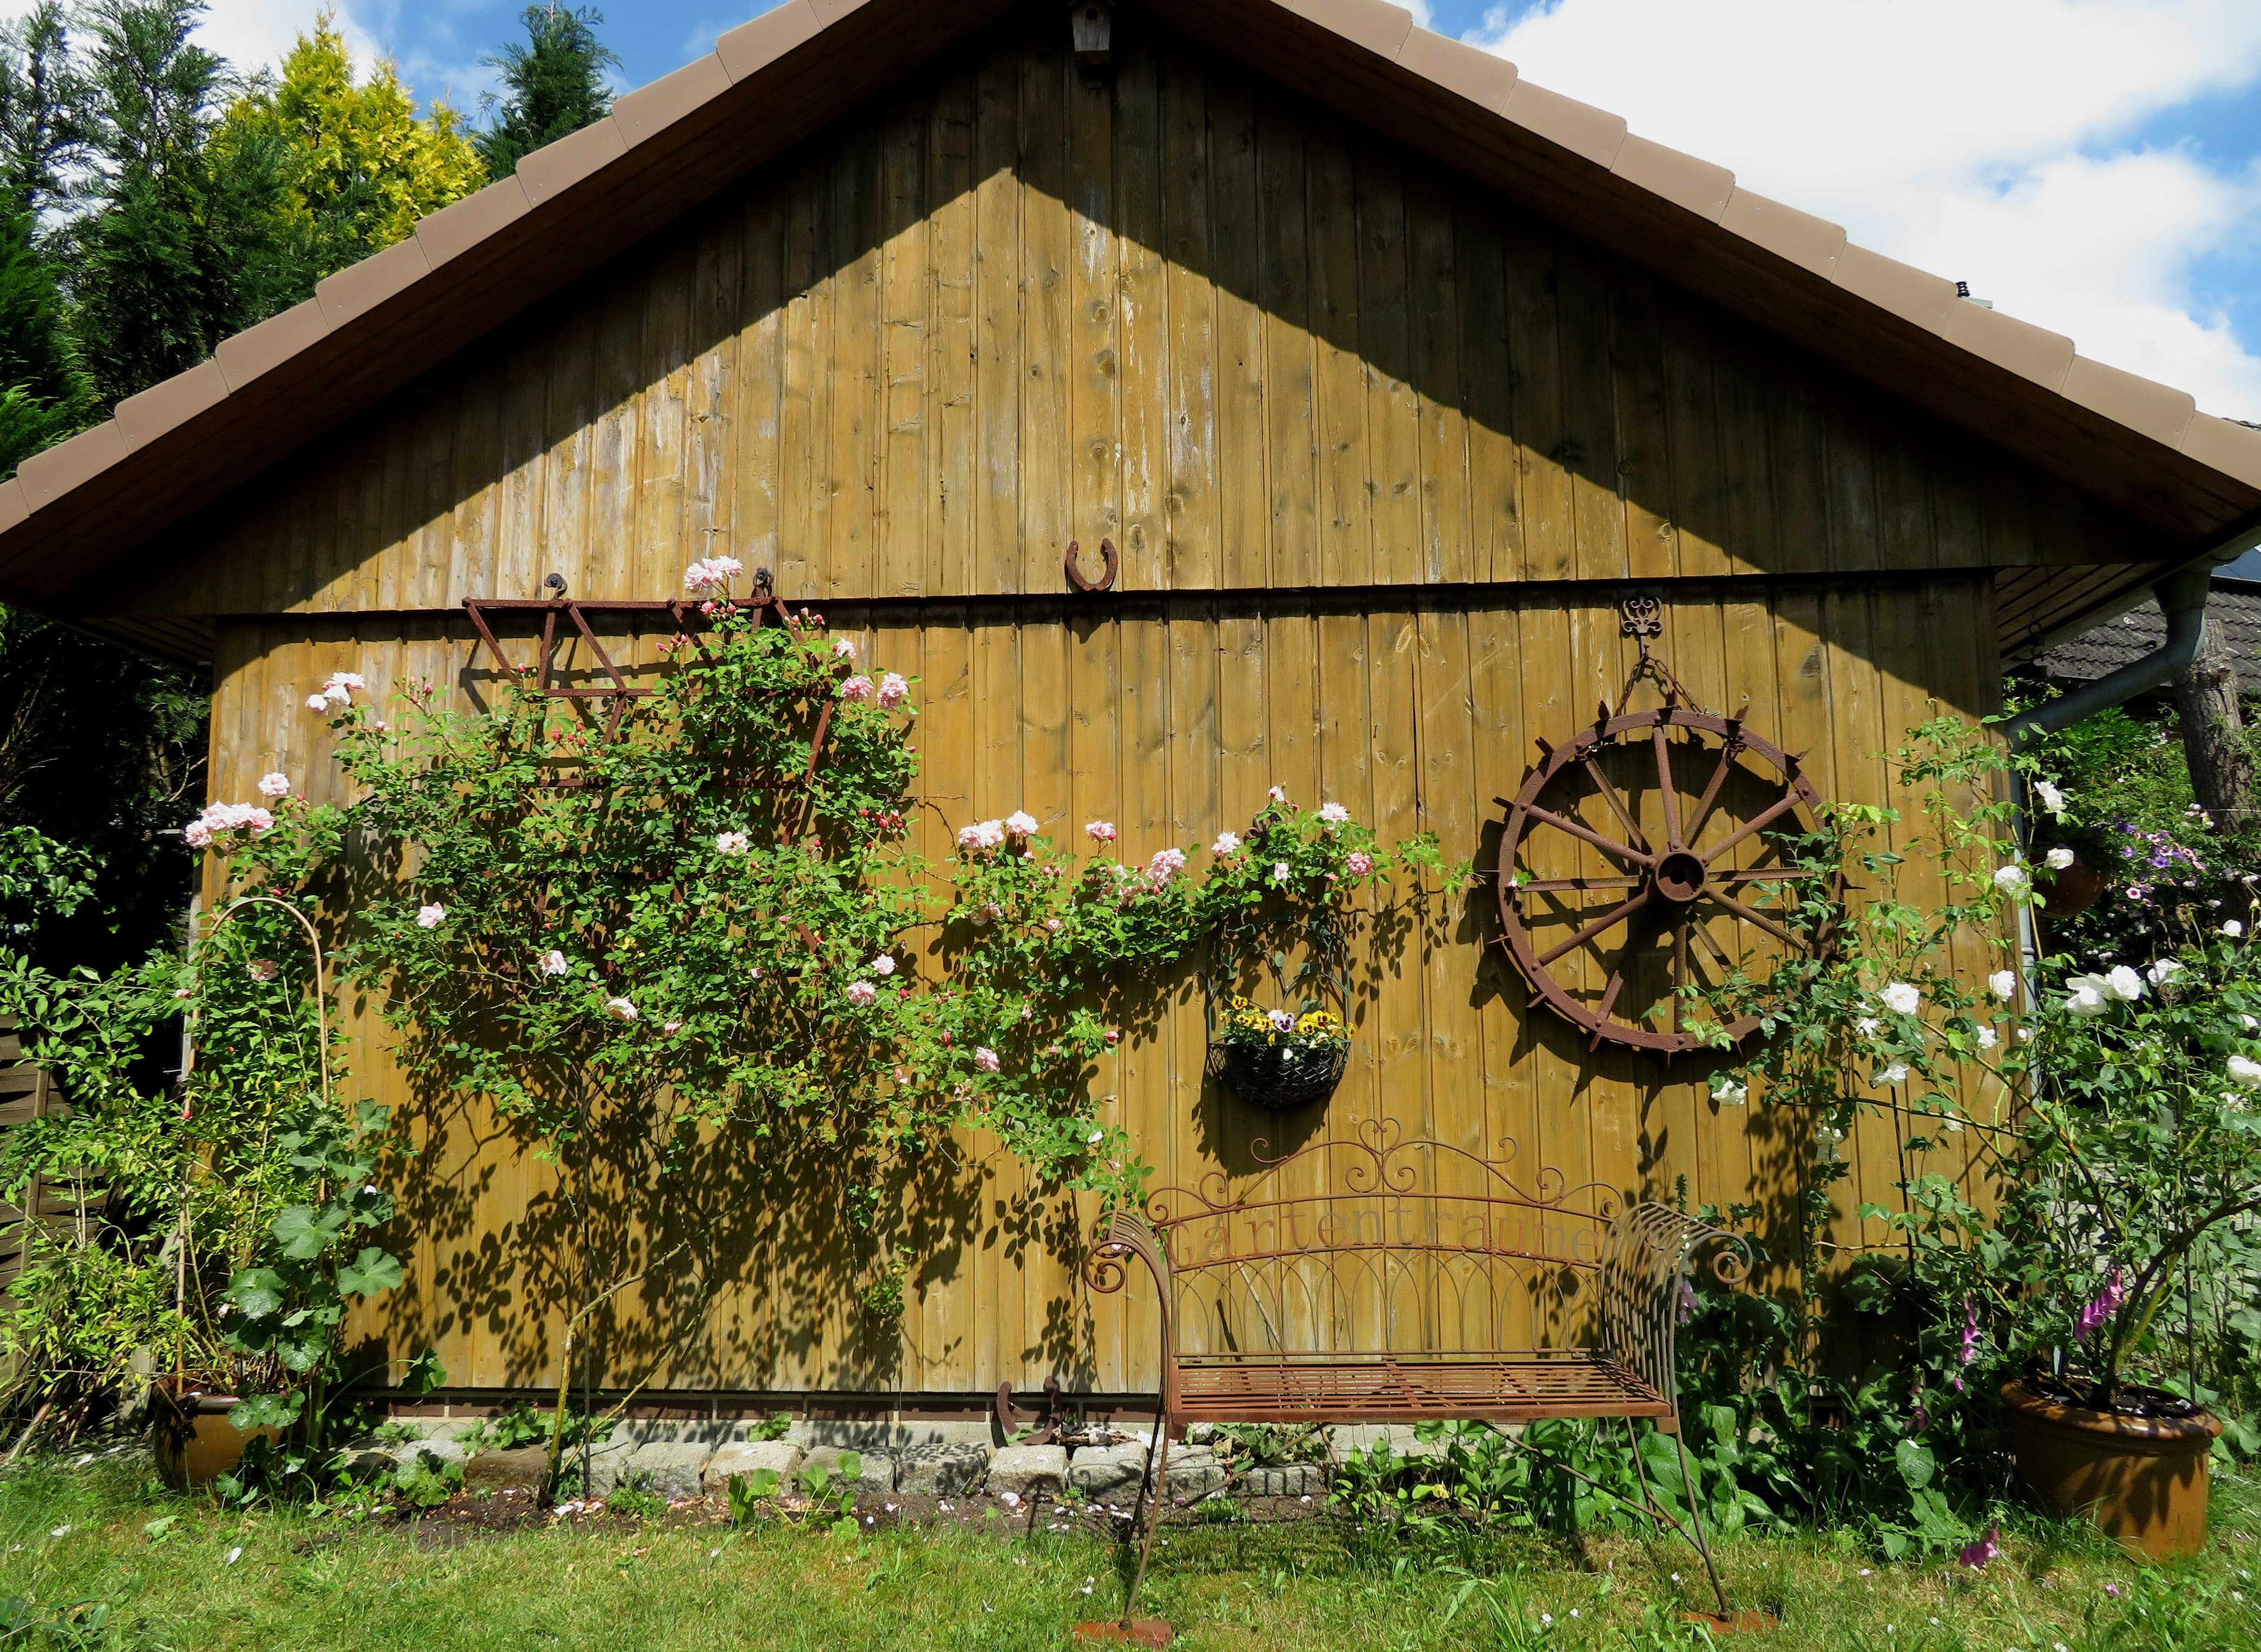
{"x":1614,"y":847}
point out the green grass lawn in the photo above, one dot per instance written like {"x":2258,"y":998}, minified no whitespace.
{"x":78,"y":1539}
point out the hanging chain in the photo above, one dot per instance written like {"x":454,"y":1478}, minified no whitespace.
{"x":1641,"y":617}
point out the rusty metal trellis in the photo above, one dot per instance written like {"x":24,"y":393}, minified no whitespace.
{"x":1666,"y":880}
{"x":1384,"y":1281}
{"x":683,"y":617}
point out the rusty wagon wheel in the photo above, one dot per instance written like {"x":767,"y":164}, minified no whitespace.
{"x":1648,"y":855}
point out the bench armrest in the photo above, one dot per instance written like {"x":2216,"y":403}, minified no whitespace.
{"x":1642,"y":1264}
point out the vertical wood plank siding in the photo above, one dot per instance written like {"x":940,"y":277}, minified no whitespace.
{"x":1170,"y":716}
{"x":1252,"y":343}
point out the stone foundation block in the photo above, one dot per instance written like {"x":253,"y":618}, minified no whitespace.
{"x":667,"y":1468}
{"x":941,"y":1470}
{"x":1099,"y":1471}
{"x":1289,"y":1480}
{"x":1029,"y":1471}
{"x":744,"y":1456}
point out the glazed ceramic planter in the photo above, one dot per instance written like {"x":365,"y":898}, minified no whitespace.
{"x":2139,"y":1479}
{"x":194,"y":1442}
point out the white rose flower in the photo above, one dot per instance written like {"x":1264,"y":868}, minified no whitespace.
{"x":2087,"y":995}
{"x":1901,"y":998}
{"x":2052,"y":800}
{"x":1728,"y":1093}
{"x":732,"y":842}
{"x":2245,"y":1071}
{"x":2058,"y":859}
{"x":1866,"y":1026}
{"x":2124,"y":984}
{"x":2002,"y":984}
{"x":553,"y":962}
{"x":1896,"y":1073}
{"x":2233,"y":929}
{"x":2011,"y":879}
{"x":2163,"y":973}
{"x":1988,"y":1037}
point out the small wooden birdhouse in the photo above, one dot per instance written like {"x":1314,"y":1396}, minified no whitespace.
{"x":1092,"y":22}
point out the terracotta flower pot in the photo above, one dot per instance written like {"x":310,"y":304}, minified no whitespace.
{"x":2070,"y":892}
{"x":194,"y":1442}
{"x":2141,"y":1480}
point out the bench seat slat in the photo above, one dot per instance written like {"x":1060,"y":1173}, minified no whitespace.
{"x":1307,"y":1387}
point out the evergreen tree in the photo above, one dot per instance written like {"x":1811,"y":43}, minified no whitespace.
{"x":363,"y":169}
{"x":553,"y":85}
{"x":172,"y":250}
{"x":43,"y":396}
{"x":39,"y":95}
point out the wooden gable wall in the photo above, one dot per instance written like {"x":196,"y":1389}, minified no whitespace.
{"x":1375,"y":445}
{"x":1256,"y":345}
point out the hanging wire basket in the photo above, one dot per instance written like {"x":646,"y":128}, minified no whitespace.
{"x":1284,"y":1075}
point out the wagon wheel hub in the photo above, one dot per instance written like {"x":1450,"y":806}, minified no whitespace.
{"x":1678,"y":878}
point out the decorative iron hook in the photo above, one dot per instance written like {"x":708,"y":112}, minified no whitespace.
{"x":1075,"y":574}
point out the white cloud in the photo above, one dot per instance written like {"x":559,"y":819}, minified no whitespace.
{"x":1986,"y":140}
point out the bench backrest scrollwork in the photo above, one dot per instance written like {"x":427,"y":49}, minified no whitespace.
{"x":1373,"y":1249}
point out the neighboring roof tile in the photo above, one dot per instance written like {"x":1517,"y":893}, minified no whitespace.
{"x":2234,"y":607}
{"x":1380,"y":28}
{"x":1915,"y":296}
{"x":2159,"y":411}
{"x":357,"y":289}
{"x":556,"y":167}
{"x":460,"y":226}
{"x":14,"y":507}
{"x":753,"y":47}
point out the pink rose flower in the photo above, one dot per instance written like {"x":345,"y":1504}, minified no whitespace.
{"x":1333,"y":814}
{"x":275,"y":784}
{"x":1020,"y":823}
{"x":883,"y":965}
{"x":986,"y":1059}
{"x":430,"y":916}
{"x":894,"y":690}
{"x":861,"y":993}
{"x":1101,"y":831}
{"x":553,"y":962}
{"x":712,"y":573}
{"x":262,"y":969}
{"x":620,"y":1008}
{"x":1358,"y":863}
{"x":858,"y":687}
{"x":842,"y":649}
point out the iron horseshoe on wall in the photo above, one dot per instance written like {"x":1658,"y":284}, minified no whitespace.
{"x":1105,"y":582}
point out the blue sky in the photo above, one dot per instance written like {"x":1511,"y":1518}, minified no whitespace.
{"x":2093,"y":166}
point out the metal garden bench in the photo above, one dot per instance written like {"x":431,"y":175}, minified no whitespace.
{"x":1381,"y":1281}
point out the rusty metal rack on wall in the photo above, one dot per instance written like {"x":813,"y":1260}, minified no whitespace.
{"x":683,"y":615}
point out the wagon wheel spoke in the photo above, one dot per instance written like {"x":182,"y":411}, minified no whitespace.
{"x":1617,"y":804}
{"x":1607,"y":845}
{"x":1752,"y":916}
{"x":1667,"y":792}
{"x":1768,"y":874}
{"x":1608,"y":921}
{"x":1757,"y":823}
{"x":1609,"y":1001}
{"x":1549,"y":885}
{"x":1705,"y":803}
{"x":1679,"y":966}
{"x":1718,"y":953}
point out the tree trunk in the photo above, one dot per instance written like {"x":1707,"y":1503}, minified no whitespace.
{"x":2205,"y":700}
